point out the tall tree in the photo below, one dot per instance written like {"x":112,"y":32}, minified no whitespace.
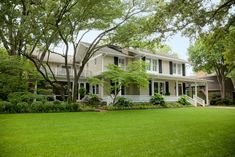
{"x":214,"y":57}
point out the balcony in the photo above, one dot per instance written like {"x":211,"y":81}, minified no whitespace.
{"x":61,"y":72}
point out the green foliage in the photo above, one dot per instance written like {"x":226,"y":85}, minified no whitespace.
{"x":157,"y":99}
{"x":123,"y":102}
{"x":14,"y":74}
{"x":93,"y":100}
{"x":17,"y":97}
{"x":134,"y":74}
{"x":22,"y":107}
{"x":73,"y":107}
{"x":217,"y":100}
{"x":183,"y":100}
{"x":7,"y":107}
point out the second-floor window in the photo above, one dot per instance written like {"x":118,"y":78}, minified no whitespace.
{"x":152,"y":65}
{"x":177,"y":69}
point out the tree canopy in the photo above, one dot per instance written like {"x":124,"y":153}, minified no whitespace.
{"x":214,"y":56}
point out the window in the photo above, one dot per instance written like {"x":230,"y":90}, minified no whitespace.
{"x":155,"y":65}
{"x":179,"y":69}
{"x":159,"y":87}
{"x":62,"y":70}
{"x":95,"y":61}
{"x":148,"y":61}
{"x":121,"y":62}
{"x":97,"y":89}
{"x":174,"y":68}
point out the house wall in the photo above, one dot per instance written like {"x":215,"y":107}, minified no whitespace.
{"x":94,"y":66}
{"x":108,"y":60}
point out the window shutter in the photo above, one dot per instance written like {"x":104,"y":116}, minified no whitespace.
{"x":184,"y":88}
{"x":167,"y":88}
{"x":160,"y":65}
{"x":87,"y":88}
{"x":150,"y":87}
{"x":116,"y":60}
{"x":122,"y":90}
{"x":143,"y":59}
{"x":171,"y":68}
{"x":183,"y":69}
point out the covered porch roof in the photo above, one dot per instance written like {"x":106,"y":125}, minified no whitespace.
{"x":192,"y":79}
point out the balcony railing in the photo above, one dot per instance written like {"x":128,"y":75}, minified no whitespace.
{"x":61,"y":72}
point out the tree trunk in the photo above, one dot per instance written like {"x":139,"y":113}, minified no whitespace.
{"x":76,"y":78}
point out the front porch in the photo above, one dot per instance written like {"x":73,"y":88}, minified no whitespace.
{"x":171,"y":87}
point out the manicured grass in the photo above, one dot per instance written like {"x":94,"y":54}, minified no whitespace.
{"x":184,"y":132}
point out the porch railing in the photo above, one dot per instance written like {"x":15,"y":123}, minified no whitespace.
{"x":141,"y":98}
{"x":199,"y":100}
{"x":191,"y":100}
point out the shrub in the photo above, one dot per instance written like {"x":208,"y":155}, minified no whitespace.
{"x":157,"y":99}
{"x":217,"y":100}
{"x":37,"y":106}
{"x":17,"y":97}
{"x":22,"y":107}
{"x":123,"y":102}
{"x":72,"y":107}
{"x":49,"y":107}
{"x":93,"y":100}
{"x":183,"y":100}
{"x":7,"y":107}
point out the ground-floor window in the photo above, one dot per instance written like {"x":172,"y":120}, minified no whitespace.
{"x":159,"y":87}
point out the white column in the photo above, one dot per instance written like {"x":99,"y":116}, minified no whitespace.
{"x":101,"y":86}
{"x":36,"y":87}
{"x":152,"y":87}
{"x":177,"y":88}
{"x":207,"y":98}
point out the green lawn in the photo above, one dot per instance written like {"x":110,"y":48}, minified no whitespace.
{"x":184,"y":132}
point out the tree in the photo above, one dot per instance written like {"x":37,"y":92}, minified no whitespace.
{"x":192,"y":17}
{"x":115,"y":78}
{"x":214,"y":57}
{"x":87,"y":16}
{"x":29,"y":25}
{"x":15,"y":73}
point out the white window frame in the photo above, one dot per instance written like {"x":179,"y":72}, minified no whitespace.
{"x":178,"y":66}
{"x":153,"y":65}
{"x":149,"y":64}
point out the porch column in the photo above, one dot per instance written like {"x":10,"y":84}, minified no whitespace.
{"x":207,"y":98}
{"x":177,"y":88}
{"x":195,"y":100}
{"x":152,"y":87}
{"x":190,"y":90}
{"x":35,"y":87}
{"x":101,"y":86}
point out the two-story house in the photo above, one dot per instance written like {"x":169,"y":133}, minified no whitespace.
{"x":167,"y":74}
